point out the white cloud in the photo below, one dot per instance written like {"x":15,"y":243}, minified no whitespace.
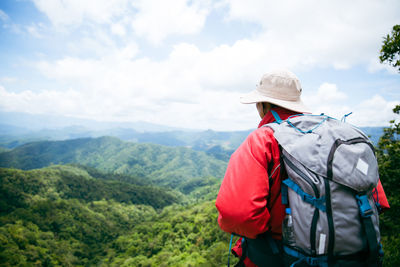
{"x":69,"y":67}
{"x":156,"y":19}
{"x":74,"y":12}
{"x":176,"y":91}
{"x":325,"y":33}
{"x":226,"y":68}
{"x":297,"y":34}
{"x":121,"y":86}
{"x":374,"y":66}
{"x":328,"y":100}
{"x":118,"y":29}
{"x":153,"y":20}
{"x":375,"y":111}
{"x":44,"y":102}
{"x":188,"y":85}
{"x":95,"y":44}
{"x":3,"y":15}
{"x":112,"y":77}
{"x":35,"y":30}
{"x":328,"y":92}
{"x":230,"y":68}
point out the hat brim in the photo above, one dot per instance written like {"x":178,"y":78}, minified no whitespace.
{"x":255,"y":97}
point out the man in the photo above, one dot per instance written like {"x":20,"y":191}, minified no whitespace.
{"x":249,"y":200}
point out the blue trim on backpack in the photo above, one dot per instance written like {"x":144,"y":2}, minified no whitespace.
{"x":321,"y":261}
{"x":319,"y":203}
{"x":311,"y":130}
{"x":230,"y":245}
{"x":364,"y":206}
{"x":276,"y":116}
{"x":345,"y":117}
{"x":279,"y":120}
{"x":229,"y":251}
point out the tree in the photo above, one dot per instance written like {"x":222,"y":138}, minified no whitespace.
{"x":390,"y":52}
{"x":388,"y":153}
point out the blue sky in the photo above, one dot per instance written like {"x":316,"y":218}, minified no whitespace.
{"x":185,"y":63}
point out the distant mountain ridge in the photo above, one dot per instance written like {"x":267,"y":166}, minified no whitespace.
{"x":167,"y":166}
{"x":12,"y":136}
{"x":18,"y":128}
{"x":36,"y":122}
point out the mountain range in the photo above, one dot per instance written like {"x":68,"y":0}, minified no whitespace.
{"x":20,"y":128}
{"x":162,"y":165}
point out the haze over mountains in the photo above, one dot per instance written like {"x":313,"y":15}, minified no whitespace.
{"x":19,"y":128}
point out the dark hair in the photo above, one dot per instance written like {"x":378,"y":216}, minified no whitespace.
{"x":272,"y":105}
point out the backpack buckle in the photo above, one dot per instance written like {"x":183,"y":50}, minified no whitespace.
{"x":364,"y":206}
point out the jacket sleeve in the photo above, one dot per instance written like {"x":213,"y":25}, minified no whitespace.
{"x":242,"y":198}
{"x":380,"y":197}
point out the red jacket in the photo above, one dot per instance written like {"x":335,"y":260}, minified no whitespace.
{"x":248,"y":205}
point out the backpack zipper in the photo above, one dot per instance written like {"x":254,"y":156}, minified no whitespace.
{"x":302,"y":175}
{"x":313,"y":228}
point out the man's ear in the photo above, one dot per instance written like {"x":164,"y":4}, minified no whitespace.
{"x":260,"y":109}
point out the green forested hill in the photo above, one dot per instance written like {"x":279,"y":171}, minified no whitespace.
{"x":63,"y":216}
{"x":19,"y":188}
{"x":163,"y":165}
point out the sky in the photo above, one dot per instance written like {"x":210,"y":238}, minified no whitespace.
{"x":185,"y":63}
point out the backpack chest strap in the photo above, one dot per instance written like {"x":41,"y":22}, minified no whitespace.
{"x":319,"y":203}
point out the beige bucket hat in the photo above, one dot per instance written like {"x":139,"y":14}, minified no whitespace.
{"x":279,"y":87}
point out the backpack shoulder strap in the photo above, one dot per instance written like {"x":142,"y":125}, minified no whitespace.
{"x":369,"y":229}
{"x":276,"y":116}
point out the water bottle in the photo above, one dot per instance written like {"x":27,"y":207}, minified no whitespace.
{"x":287,"y":229}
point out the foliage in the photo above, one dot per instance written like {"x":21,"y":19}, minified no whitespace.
{"x":64,"y":232}
{"x":125,"y":178}
{"x":389,"y":169}
{"x":388,"y":153}
{"x":18,"y":188}
{"x":179,"y":236}
{"x":62,"y":216}
{"x":390,"y":51}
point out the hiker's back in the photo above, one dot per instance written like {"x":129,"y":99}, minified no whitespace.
{"x":332,"y":173}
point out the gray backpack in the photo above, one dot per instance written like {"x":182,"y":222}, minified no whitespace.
{"x":332,"y":172}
